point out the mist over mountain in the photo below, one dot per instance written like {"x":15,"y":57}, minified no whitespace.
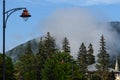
{"x":20,"y":49}
{"x":116,"y":26}
{"x":115,"y":45}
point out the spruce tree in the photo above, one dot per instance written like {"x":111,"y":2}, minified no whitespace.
{"x":65,"y":45}
{"x":90,"y":56}
{"x":103,"y":60}
{"x":40,"y":59}
{"x":41,"y":51}
{"x":61,"y":67}
{"x":50,"y":45}
{"x":9,"y":68}
{"x":82,"y":58}
{"x":27,"y":64}
{"x":40,"y":47}
{"x":28,"y":49}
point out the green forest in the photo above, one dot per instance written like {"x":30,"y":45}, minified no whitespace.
{"x":52,"y":63}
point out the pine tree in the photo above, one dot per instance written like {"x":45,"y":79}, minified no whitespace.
{"x":55,"y":69}
{"x":40,"y":47}
{"x":28,"y":49}
{"x":27,"y":64}
{"x":40,"y":59}
{"x":82,"y":58}
{"x":65,"y":46}
{"x":41,"y":52}
{"x":50,"y":45}
{"x":9,"y":68}
{"x":103,"y":60}
{"x":90,"y":56}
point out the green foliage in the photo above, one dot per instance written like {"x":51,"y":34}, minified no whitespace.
{"x":65,"y":45}
{"x":49,"y":63}
{"x":103,"y":60}
{"x":41,"y":55}
{"x":9,"y":68}
{"x":50,"y":45}
{"x":31,"y":65}
{"x":59,"y":67}
{"x":90,"y":56}
{"x":95,"y":77}
{"x":82,"y":58}
{"x":28,"y":49}
{"x":40,"y":59}
{"x":25,"y":66}
{"x":41,"y":47}
{"x":55,"y":68}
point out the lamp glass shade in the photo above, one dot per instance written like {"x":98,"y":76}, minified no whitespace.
{"x":25,"y":15}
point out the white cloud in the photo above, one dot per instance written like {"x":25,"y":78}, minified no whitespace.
{"x":78,"y":25}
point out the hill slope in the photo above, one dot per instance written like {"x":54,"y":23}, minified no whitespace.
{"x":20,"y":49}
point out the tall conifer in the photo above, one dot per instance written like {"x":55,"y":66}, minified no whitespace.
{"x":103,"y":60}
{"x":27,"y":63}
{"x":50,"y":45}
{"x":28,"y":49}
{"x":90,"y":56}
{"x":65,"y":45}
{"x":82,"y":58}
{"x":40,"y":59}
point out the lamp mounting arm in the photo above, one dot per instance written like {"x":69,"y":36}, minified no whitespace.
{"x":9,"y":12}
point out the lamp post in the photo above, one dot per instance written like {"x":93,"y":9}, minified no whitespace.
{"x":6,"y":15}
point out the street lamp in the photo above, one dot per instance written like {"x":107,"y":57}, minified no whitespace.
{"x":25,"y":15}
{"x":6,"y":14}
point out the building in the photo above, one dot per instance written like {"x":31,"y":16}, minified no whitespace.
{"x":117,"y":72}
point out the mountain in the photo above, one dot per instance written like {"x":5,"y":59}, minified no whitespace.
{"x":116,"y":26}
{"x":20,"y":49}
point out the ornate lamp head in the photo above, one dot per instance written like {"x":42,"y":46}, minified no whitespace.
{"x":25,"y":14}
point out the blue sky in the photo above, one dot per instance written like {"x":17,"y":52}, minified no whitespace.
{"x":18,"y":31}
